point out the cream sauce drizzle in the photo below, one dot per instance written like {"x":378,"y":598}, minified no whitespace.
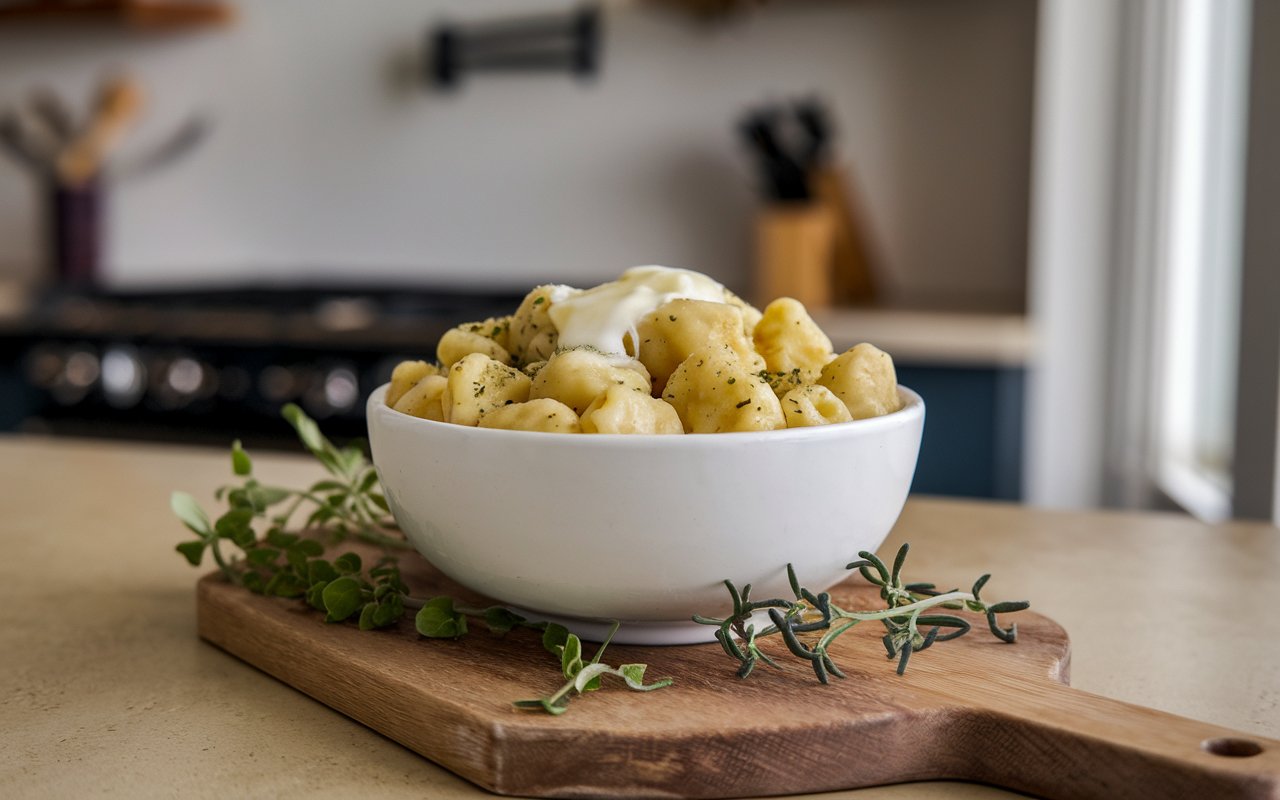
{"x":602,"y":317}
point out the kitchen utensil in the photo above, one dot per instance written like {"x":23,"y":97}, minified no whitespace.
{"x":48,"y":107}
{"x":812,"y":118}
{"x":973,"y":709}
{"x":118,"y":103}
{"x":178,"y":143}
{"x":641,"y":528}
{"x":783,"y":174}
{"x":18,"y":142}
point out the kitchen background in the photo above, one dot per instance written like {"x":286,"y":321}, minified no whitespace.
{"x":340,"y":209}
{"x":331,"y":160}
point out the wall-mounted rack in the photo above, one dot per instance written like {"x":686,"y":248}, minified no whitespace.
{"x":545,"y":43}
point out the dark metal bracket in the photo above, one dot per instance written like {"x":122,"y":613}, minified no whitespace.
{"x":545,"y":43}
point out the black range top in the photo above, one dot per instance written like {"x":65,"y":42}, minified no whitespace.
{"x":204,"y":366}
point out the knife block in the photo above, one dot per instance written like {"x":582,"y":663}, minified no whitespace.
{"x":794,"y":248}
{"x":851,"y":274}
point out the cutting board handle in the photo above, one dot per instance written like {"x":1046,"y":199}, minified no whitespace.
{"x":1055,"y":741}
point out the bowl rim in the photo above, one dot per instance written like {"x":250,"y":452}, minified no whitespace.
{"x":913,"y":408}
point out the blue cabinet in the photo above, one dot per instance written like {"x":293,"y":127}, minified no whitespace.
{"x":972,"y":432}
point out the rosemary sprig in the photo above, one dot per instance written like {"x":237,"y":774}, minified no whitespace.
{"x":809,"y":624}
{"x":272,"y":560}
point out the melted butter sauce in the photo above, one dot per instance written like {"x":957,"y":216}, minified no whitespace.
{"x":602,"y":317}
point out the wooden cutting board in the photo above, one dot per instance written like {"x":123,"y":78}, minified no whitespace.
{"x":970,"y":709}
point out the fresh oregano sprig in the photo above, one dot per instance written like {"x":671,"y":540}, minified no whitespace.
{"x":810,"y":623}
{"x":583,"y":677}
{"x":273,"y":561}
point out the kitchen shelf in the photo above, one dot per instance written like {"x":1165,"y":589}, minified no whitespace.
{"x":136,"y":14}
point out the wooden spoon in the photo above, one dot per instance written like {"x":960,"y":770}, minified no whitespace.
{"x":118,"y":103}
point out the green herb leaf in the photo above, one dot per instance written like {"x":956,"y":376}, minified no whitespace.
{"x":329,"y":486}
{"x":388,"y":611}
{"x":554,"y":638}
{"x":315,"y":595}
{"x":437,"y":619}
{"x":342,"y":598}
{"x":571,"y":657}
{"x":633,"y":674}
{"x":192,"y":551}
{"x":262,"y":556}
{"x":236,"y":526}
{"x":543,"y":704}
{"x":320,"y":571}
{"x":369,"y":481}
{"x":240,"y":463}
{"x":264,"y":497}
{"x":588,"y":678}
{"x":190,"y":512}
{"x":253,"y":581}
{"x":284,"y":584}
{"x":347,"y":563}
{"x":307,"y":429}
{"x":308,"y":547}
{"x":278,"y":538}
{"x":501,"y":620}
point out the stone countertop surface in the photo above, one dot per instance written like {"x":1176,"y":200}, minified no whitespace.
{"x":105,"y":690}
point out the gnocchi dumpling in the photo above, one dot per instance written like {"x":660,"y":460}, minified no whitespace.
{"x":680,"y":328}
{"x":464,"y":340}
{"x":715,"y":392}
{"x":790,"y":341}
{"x":750,"y":314}
{"x":532,"y":335}
{"x":622,"y":410}
{"x":577,"y":377}
{"x":477,"y":385}
{"x":423,"y":398}
{"x":813,"y":405}
{"x":405,"y":376}
{"x":865,"y":381}
{"x":702,"y":365}
{"x":542,"y":414}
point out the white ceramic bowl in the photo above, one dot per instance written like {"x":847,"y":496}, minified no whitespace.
{"x":643,"y":529}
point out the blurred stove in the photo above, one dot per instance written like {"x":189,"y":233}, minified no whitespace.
{"x":207,"y":366}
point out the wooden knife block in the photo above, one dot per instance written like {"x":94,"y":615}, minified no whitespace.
{"x":814,"y":251}
{"x":794,"y":245}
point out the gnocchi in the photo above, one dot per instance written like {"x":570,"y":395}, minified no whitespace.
{"x":541,"y":414}
{"x":660,"y":351}
{"x":578,"y":377}
{"x":477,"y":385}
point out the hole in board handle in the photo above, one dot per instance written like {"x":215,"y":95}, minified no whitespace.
{"x":1231,"y":747}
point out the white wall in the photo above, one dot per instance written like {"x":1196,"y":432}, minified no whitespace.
{"x":325,"y":164}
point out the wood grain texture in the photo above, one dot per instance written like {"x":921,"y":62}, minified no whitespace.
{"x":972,"y":709}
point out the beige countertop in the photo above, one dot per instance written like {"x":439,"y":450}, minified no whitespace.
{"x":934,"y":338}
{"x":105,"y":689}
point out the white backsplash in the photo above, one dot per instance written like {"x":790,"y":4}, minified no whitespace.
{"x":328,"y":162}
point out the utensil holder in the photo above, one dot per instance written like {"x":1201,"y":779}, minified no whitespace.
{"x":793,"y":254}
{"x":74,"y":232}
{"x":852,"y":279}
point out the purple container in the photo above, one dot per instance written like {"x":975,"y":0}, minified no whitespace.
{"x":75,"y":232}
